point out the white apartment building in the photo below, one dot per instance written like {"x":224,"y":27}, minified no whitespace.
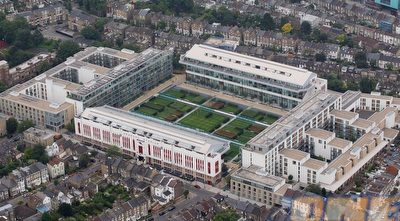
{"x":249,"y":77}
{"x":93,"y":77}
{"x":325,"y":144}
{"x":351,"y":145}
{"x":164,"y":145}
{"x":299,"y":164}
{"x":289,"y":131}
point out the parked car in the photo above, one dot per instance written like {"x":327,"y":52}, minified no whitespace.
{"x":162,"y":213}
{"x":150,"y":219}
{"x":171,"y":208}
{"x":197,"y":186}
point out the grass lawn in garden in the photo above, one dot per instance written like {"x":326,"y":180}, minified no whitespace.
{"x":180,"y":106}
{"x":270,"y":119}
{"x":252,"y":114}
{"x":240,"y":124}
{"x":231,"y":108}
{"x":165,"y":113}
{"x":48,"y":44}
{"x":203,"y":120}
{"x":243,"y":139}
{"x":232,"y":129}
{"x":195,"y":98}
{"x":147,"y":111}
{"x":233,"y":151}
{"x":175,"y":94}
{"x":161,"y":101}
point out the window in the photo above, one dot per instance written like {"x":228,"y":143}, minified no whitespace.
{"x":294,"y":162}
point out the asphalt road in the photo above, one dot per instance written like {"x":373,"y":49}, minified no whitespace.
{"x":195,"y":195}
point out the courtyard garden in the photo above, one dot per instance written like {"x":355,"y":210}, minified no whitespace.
{"x":259,"y":116}
{"x":186,"y":95}
{"x":240,"y":131}
{"x":164,"y":108}
{"x":204,"y":120}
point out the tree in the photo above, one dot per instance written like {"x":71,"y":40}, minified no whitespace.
{"x":112,"y":151}
{"x":89,"y":32}
{"x":24,"y":125}
{"x":226,"y":215}
{"x":65,"y":210}
{"x":287,"y":28}
{"x":283,"y":21}
{"x":367,"y":85}
{"x":162,"y":25}
{"x":394,"y":191}
{"x":37,"y":152}
{"x":305,"y":28}
{"x":67,"y":49}
{"x":321,"y":57}
{"x":267,"y":23}
{"x":340,"y":38}
{"x":37,"y":38}
{"x":84,"y":160}
{"x":70,"y":127}
{"x":313,"y":188}
{"x":186,"y":193}
{"x":11,"y":125}
{"x":290,"y":177}
{"x":361,"y":59}
{"x":323,"y":192}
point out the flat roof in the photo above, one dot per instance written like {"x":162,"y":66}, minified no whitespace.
{"x":362,"y":123}
{"x":157,"y":129}
{"x":37,"y":103}
{"x":396,"y":101}
{"x":315,"y":164}
{"x":273,"y":70}
{"x":390,"y":133}
{"x":291,"y":122}
{"x":379,"y":116}
{"x":377,"y":96}
{"x":320,"y":133}
{"x":250,"y":174}
{"x":294,"y":154}
{"x":343,"y":159}
{"x":336,"y":184}
{"x":347,"y":115}
{"x":339,"y":143}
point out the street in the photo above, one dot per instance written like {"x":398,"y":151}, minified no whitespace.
{"x":195,"y":195}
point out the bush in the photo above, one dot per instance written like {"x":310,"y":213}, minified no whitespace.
{"x":208,"y":115}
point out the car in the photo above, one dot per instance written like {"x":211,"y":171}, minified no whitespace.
{"x":16,"y":139}
{"x":150,"y":219}
{"x":9,"y":135}
{"x":171,"y":208}
{"x":162,"y":213}
{"x":197,"y":186}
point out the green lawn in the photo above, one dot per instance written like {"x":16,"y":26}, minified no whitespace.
{"x":147,"y":111}
{"x":175,"y":94}
{"x":195,"y":98}
{"x":232,"y":129}
{"x":270,"y":119}
{"x":161,"y":101}
{"x":254,"y":115}
{"x":240,"y":124}
{"x":231,"y":108}
{"x":243,"y":139}
{"x":233,"y":151}
{"x":198,"y":119}
{"x":155,"y":106}
{"x":180,"y":106}
{"x":48,"y":44}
